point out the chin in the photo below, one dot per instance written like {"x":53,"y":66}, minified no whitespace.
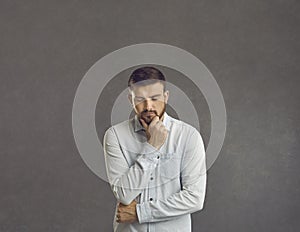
{"x":148,"y":120}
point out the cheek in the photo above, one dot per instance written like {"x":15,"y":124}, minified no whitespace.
{"x":160,"y":105}
{"x":139,"y":107}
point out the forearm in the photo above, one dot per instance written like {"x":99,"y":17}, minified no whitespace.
{"x":126,"y":181}
{"x":129,"y":185}
{"x":192,"y":194}
{"x":190,"y":199}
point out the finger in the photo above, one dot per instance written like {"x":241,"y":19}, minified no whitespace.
{"x":122,"y":206}
{"x":154,"y":121}
{"x":145,"y":125}
{"x":161,"y":126}
{"x":159,"y":123}
{"x":132,"y":203}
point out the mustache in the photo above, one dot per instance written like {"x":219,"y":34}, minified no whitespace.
{"x":149,"y":111}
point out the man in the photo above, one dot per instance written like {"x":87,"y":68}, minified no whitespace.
{"x":155,"y":163}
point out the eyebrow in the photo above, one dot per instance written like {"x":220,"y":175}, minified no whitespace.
{"x":156,"y":95}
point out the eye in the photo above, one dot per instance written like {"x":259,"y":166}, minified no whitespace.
{"x":154,"y":99}
{"x":138,"y":99}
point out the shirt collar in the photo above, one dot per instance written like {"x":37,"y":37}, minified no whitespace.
{"x":138,"y":126}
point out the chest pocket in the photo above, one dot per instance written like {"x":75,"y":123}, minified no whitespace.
{"x":169,"y":166}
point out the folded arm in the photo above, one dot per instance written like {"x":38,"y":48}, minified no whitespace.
{"x":191,"y":197}
{"x":127,"y":182}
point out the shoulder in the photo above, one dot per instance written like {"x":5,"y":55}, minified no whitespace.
{"x":120,"y":128}
{"x":182,"y":126}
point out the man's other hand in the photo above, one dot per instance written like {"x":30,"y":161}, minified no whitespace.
{"x":127,"y":213}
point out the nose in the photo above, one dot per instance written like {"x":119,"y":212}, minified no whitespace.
{"x":148,"y":105}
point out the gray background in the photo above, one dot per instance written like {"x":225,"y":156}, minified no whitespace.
{"x":251,"y":47}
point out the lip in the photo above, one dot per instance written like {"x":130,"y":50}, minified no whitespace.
{"x":149,"y":113}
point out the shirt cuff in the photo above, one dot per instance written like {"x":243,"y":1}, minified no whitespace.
{"x":149,"y":149}
{"x":143,"y":212}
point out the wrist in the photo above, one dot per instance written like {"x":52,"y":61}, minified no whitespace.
{"x":152,"y":143}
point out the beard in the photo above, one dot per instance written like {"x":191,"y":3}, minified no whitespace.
{"x":148,"y":115}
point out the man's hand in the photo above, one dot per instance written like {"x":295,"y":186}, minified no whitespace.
{"x":127,"y":213}
{"x":156,"y":132}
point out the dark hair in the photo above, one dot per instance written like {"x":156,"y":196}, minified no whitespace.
{"x":146,"y":75}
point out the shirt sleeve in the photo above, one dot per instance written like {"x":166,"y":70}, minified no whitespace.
{"x":191,"y":196}
{"x":127,"y":182}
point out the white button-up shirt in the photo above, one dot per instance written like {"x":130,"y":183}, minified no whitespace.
{"x":168,"y":184}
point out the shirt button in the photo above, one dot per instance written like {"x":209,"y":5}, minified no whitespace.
{"x":151,"y":199}
{"x":151,"y":178}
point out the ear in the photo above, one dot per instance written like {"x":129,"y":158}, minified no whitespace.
{"x":130,"y":98}
{"x":166,"y":95}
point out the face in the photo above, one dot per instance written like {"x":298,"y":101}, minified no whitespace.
{"x":149,"y":101}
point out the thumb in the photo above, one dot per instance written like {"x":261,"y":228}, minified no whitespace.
{"x":145,"y":125}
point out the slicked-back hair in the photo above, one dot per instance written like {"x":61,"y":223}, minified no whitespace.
{"x":146,"y":75}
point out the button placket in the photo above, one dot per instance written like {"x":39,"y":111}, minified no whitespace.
{"x":151,"y":188}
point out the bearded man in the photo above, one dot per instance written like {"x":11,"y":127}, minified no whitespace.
{"x":155,"y":163}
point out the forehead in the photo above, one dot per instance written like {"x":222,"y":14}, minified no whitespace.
{"x":148,"y":90}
